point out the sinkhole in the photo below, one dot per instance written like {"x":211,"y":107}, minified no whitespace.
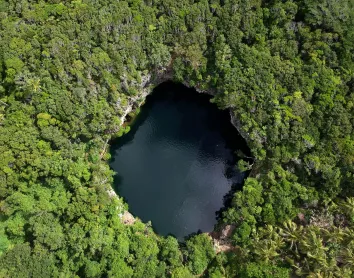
{"x":177,"y":165}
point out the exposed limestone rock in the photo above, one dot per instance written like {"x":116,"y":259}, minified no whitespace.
{"x":112,"y":193}
{"x":139,"y":98}
{"x":236,"y":123}
{"x":221,"y":246}
{"x":221,"y":239}
{"x":226,"y":233}
{"x":128,"y":218}
{"x":146,"y":88}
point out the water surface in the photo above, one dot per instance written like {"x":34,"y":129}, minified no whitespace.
{"x":178,"y":161}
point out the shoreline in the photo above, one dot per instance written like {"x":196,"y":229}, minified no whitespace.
{"x":219,"y":236}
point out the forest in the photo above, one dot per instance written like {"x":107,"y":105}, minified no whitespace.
{"x":70,"y":68}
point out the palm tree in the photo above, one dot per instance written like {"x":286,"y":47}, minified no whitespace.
{"x":35,"y":84}
{"x":348,"y":235}
{"x":348,"y":207}
{"x":291,"y":233}
{"x":314,"y":247}
{"x":266,"y":250}
{"x":268,"y":243}
{"x":347,"y":256}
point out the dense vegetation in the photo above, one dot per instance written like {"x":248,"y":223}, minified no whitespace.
{"x":68,"y":70}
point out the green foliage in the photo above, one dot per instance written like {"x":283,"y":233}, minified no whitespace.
{"x":21,"y":262}
{"x":200,"y":252}
{"x":69,"y":70}
{"x":246,"y":204}
{"x":262,"y":270}
{"x":181,"y":272}
{"x":243,"y":233}
{"x":4,"y":242}
{"x":170,"y":252}
{"x":243,"y":165}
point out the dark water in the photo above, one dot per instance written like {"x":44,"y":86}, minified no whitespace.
{"x":178,"y":161}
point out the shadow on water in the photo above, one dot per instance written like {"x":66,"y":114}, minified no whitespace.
{"x":227,"y":199}
{"x":194,"y":147}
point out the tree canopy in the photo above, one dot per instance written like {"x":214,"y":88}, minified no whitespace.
{"x":70,"y":69}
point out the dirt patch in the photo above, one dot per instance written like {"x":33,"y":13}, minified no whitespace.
{"x":222,"y":246}
{"x":221,"y":239}
{"x":128,"y":218}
